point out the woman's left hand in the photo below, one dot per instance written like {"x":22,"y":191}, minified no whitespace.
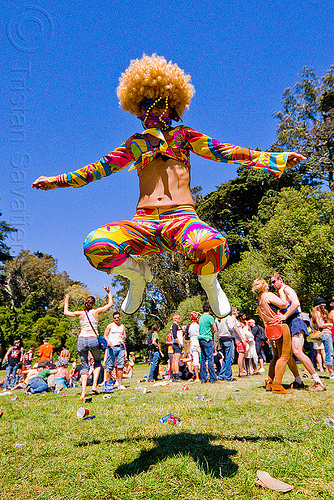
{"x":294,"y":159}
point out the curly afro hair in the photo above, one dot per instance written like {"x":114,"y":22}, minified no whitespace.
{"x":151,"y":77}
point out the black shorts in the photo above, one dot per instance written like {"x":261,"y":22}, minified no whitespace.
{"x":177,"y":349}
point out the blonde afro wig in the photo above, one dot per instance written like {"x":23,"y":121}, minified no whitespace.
{"x":151,"y":77}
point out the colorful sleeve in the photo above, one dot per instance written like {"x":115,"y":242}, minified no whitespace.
{"x":202,"y":145}
{"x":114,"y":162}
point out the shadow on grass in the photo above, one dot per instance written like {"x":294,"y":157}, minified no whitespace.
{"x":255,"y":439}
{"x":213,"y":459}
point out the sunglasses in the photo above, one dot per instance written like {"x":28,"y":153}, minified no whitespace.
{"x":158,"y":103}
{"x":273,"y":281}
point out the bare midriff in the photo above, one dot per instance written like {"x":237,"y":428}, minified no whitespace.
{"x":164,"y":184}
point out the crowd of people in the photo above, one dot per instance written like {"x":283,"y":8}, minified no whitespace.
{"x":288,"y":333}
{"x":202,"y":351}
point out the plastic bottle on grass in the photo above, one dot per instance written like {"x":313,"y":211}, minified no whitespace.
{"x":164,"y":419}
{"x":200,"y":397}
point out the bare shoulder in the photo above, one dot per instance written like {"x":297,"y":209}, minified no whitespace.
{"x":289,"y":292}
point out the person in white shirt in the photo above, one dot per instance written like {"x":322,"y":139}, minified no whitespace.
{"x":225,"y":329}
{"x":115,"y":335}
{"x":195,"y":350}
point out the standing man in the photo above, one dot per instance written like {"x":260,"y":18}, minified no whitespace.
{"x":195,"y":350}
{"x":297,"y":326}
{"x":225,"y":329}
{"x":14,"y":357}
{"x":206,"y":329}
{"x":177,"y":335}
{"x":115,"y":335}
{"x":157,"y":353}
{"x":45,"y":351}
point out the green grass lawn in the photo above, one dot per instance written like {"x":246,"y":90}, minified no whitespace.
{"x":47,"y":453}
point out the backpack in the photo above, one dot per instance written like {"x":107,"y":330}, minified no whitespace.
{"x":149,"y":340}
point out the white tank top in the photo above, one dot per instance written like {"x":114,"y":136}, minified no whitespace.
{"x":115,"y":336}
{"x":86,"y":329}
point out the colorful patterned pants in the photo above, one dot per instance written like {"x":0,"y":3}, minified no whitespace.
{"x":153,"y":231}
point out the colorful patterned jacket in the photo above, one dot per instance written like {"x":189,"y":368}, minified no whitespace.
{"x":176,"y":143}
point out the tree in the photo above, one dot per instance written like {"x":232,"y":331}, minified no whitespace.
{"x":31,"y":281}
{"x":238,"y":279}
{"x":32,"y":293}
{"x":172,"y":283}
{"x":298,"y":242}
{"x":231,"y":207}
{"x":5,"y":229}
{"x":306,"y":124}
{"x":294,"y":236}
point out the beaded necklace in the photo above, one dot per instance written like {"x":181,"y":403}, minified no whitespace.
{"x":149,"y":120}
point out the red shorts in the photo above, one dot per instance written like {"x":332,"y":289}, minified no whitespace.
{"x":242,"y":348}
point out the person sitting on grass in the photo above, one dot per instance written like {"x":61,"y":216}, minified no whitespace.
{"x":186,"y":371}
{"x":62,"y":376}
{"x":38,"y":383}
{"x":127,"y":370}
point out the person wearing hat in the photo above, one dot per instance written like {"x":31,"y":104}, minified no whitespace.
{"x":195,"y":350}
{"x":290,"y":315}
{"x":158,"y":92}
{"x":321,"y":321}
{"x":316,"y":347}
{"x":14,"y":357}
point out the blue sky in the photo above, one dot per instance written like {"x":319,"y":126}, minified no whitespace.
{"x":59,"y":111}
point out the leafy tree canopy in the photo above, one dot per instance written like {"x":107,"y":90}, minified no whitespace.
{"x":5,"y":229}
{"x":306,"y":124}
{"x":231,"y":207}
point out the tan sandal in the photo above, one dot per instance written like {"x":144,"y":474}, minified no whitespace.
{"x":317,"y":388}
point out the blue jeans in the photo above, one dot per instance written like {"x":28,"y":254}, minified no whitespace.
{"x":154,"y":366}
{"x":207,"y":355}
{"x":91,"y":344}
{"x":313,"y":354}
{"x":227,"y":350}
{"x":118,"y":353}
{"x":328,"y":344}
{"x":10,"y":370}
{"x":37,"y":384}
